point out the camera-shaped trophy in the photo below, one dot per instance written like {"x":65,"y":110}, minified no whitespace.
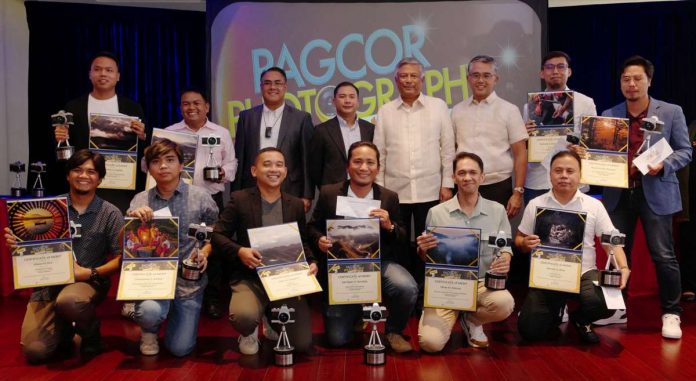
{"x":651,"y":125}
{"x":18,"y":168}
{"x":212,"y":170}
{"x":62,"y":118}
{"x":190,"y":269}
{"x":609,"y":277}
{"x":75,"y":230}
{"x":283,"y":350}
{"x":493,"y":280}
{"x":38,"y":188}
{"x":375,"y":352}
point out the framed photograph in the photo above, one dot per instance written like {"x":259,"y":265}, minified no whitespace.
{"x":112,"y":132}
{"x":158,"y":238}
{"x":551,"y":108}
{"x":187,"y":142}
{"x":606,"y":142}
{"x":560,"y":229}
{"x":41,"y":219}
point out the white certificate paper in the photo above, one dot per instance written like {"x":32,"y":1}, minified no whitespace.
{"x":355,"y":207}
{"x":42,"y":265}
{"x":148,"y":280}
{"x":657,"y":153}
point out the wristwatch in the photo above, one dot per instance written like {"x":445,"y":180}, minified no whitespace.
{"x":94,"y":276}
{"x":519,"y":190}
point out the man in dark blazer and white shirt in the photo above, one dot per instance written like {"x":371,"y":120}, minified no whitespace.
{"x":653,"y":197}
{"x":275,"y":124}
{"x":328,"y":150}
{"x":399,"y":287}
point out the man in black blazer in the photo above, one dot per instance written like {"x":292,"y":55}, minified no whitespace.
{"x":275,"y":124}
{"x":104,"y":75}
{"x":329,"y":146}
{"x":261,"y":205}
{"x":399,"y":287}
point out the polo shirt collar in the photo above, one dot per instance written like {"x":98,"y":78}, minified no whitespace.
{"x":93,"y":207}
{"x":576,"y":196}
{"x":481,"y":208}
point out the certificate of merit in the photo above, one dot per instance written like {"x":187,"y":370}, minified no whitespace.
{"x":354,"y":283}
{"x":451,"y":289}
{"x":40,"y":265}
{"x":556,"y":271}
{"x":286,"y":281}
{"x":148,"y":280}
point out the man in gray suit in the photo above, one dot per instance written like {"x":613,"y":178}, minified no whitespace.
{"x":653,"y":197}
{"x":275,"y":124}
{"x":329,"y":146}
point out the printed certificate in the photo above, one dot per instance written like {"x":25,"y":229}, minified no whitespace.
{"x":553,"y":113}
{"x":121,"y":169}
{"x":284,"y":270}
{"x":354,"y":266}
{"x":556,"y":264}
{"x":606,"y":142}
{"x":451,"y":269}
{"x":149,"y":266}
{"x":43,"y":264}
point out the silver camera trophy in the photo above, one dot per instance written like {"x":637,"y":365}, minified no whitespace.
{"x":493,"y":280}
{"x":18,"y":168}
{"x":75,"y":230}
{"x":62,"y":118}
{"x":649,"y":126}
{"x":190,"y":269}
{"x":38,"y":188}
{"x":609,"y":277}
{"x":375,"y":352}
{"x":283,"y":350}
{"x":212,"y":170}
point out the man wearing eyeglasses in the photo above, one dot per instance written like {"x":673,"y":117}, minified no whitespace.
{"x":279,"y":125}
{"x":492,"y":128}
{"x":555,"y":71}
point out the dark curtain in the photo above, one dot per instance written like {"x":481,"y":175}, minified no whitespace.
{"x":160,"y":51}
{"x":599,"y":38}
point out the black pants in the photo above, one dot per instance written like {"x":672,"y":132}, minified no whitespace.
{"x":217,"y":280}
{"x":499,"y":192}
{"x":408,"y":257}
{"x":541,"y":311}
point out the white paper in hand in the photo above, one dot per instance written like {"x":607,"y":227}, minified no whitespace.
{"x":355,"y":207}
{"x":164,"y":212}
{"x":657,"y":153}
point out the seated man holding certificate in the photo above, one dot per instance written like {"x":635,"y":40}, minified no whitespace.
{"x":48,"y":323}
{"x":468,"y":209}
{"x":192,"y":205}
{"x":261,"y":206}
{"x":540,"y":313}
{"x":398,"y":285}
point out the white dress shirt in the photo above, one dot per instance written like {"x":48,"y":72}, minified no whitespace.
{"x":416,"y":146}
{"x":350,"y":134}
{"x":597,"y":222}
{"x":223,"y":154}
{"x":537,"y":174}
{"x":488,"y":129}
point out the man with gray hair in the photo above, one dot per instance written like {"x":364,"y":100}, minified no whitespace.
{"x":492,"y":128}
{"x":416,"y":145}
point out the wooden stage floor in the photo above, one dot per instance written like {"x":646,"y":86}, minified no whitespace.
{"x":636,"y":352}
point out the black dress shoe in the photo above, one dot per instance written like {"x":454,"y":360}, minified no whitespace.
{"x":586,"y":333}
{"x":213,"y":311}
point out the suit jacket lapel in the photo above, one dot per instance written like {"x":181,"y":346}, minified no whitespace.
{"x":288,"y":216}
{"x":255,"y":207}
{"x":285,"y":124}
{"x":335,"y":134}
{"x":363,"y":131}
{"x":255,"y":128}
{"x":654,"y":108}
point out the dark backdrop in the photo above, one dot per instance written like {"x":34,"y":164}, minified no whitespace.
{"x":599,"y":38}
{"x":161,"y":52}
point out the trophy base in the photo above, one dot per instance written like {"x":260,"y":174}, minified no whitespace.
{"x":37,"y":192}
{"x":190,"y":270}
{"x":211,"y":174}
{"x":495,"y":281}
{"x":64,"y":152}
{"x":610,"y":278}
{"x":375,"y":354}
{"x":18,"y":192}
{"x":284,"y":356}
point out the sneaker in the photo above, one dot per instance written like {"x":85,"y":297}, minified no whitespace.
{"x":688,"y":296}
{"x":619,"y":317}
{"x":268,"y":331}
{"x":670,"y":326}
{"x":249,"y":345}
{"x":128,"y":310}
{"x":148,"y":344}
{"x":564,"y":315}
{"x":474,"y":333}
{"x":398,"y":344}
{"x":586,"y":333}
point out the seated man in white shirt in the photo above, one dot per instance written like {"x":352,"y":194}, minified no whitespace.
{"x":468,"y":209}
{"x":540,"y":312}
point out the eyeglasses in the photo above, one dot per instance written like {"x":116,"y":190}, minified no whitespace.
{"x":560,"y":66}
{"x":277,"y":83}
{"x":485,"y":76}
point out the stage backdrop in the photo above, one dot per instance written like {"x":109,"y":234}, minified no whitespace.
{"x":322,"y":44}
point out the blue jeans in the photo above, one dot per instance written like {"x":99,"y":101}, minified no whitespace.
{"x":400,"y":292}
{"x":658,"y":235}
{"x":182,"y":327}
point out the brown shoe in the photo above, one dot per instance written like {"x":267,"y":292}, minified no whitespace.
{"x":398,"y":344}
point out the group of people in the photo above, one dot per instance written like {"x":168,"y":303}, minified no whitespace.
{"x":467,"y":168}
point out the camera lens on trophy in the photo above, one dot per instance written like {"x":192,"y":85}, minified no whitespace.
{"x":500,"y":242}
{"x":376,"y":316}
